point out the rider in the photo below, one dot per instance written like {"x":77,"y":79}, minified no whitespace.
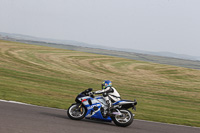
{"x":110,"y":94}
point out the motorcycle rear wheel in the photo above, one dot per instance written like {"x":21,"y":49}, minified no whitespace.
{"x":123,"y":120}
{"x":76,"y":112}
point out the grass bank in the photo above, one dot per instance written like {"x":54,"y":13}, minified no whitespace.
{"x":53,"y":77}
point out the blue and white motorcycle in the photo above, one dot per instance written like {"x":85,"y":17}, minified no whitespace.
{"x":90,"y":107}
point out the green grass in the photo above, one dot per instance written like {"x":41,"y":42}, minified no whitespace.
{"x":53,"y":77}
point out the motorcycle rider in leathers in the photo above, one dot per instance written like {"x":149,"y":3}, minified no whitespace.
{"x":110,"y":94}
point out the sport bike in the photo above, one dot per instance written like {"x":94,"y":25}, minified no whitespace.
{"x":95,"y":107}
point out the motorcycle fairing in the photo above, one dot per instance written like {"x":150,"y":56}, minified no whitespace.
{"x":91,"y":113}
{"x":121,"y":102}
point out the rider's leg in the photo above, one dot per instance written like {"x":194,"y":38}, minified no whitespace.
{"x":106,"y":98}
{"x":108,"y":101}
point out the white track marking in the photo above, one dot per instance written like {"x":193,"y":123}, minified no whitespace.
{"x":8,"y":101}
{"x":167,"y":124}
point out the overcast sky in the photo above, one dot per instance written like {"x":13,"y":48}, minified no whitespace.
{"x":150,"y":25}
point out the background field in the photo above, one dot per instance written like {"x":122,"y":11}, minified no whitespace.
{"x":123,"y":53}
{"x":53,"y":77}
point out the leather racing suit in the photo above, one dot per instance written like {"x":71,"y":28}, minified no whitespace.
{"x":110,"y":95}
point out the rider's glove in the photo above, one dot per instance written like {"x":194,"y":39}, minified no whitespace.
{"x":91,"y":94}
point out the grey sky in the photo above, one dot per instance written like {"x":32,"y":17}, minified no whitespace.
{"x":151,"y":25}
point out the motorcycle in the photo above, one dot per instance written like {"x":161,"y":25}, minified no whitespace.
{"x":95,"y":107}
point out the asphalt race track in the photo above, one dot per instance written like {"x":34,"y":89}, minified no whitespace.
{"x":19,"y":118}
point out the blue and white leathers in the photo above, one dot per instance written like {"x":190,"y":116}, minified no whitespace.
{"x":111,"y":94}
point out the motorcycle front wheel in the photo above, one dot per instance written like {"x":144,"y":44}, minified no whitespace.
{"x":76,"y":112}
{"x":123,"y":120}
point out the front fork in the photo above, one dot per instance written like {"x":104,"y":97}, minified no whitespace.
{"x":79,"y":107}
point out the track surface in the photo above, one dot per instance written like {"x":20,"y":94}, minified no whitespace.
{"x":19,"y":118}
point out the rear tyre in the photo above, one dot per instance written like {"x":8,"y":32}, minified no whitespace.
{"x":76,"y":112}
{"x":123,"y":120}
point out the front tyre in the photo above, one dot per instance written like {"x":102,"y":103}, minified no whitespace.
{"x":123,"y":120}
{"x":76,"y":112}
